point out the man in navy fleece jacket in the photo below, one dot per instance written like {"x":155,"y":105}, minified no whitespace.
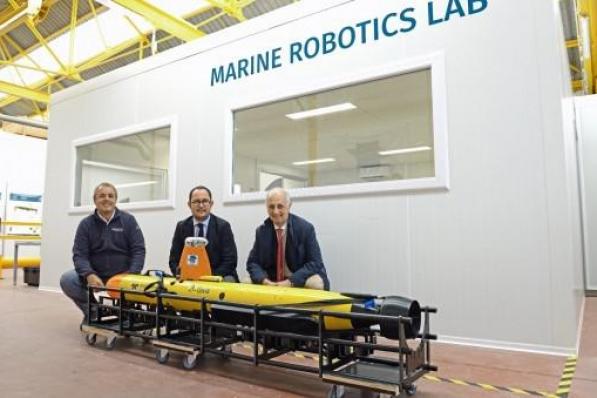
{"x":107,"y":242}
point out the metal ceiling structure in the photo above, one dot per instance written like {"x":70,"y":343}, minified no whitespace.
{"x":31,"y":27}
{"x":579,"y":19}
{"x":26,"y":26}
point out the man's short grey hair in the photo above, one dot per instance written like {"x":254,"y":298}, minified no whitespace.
{"x":282,"y":191}
{"x":103,"y":185}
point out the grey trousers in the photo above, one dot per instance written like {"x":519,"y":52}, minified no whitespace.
{"x":75,"y":288}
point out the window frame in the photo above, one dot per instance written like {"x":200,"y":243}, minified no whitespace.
{"x":169,"y":203}
{"x":434,"y":62}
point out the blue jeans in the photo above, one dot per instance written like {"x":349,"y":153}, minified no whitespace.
{"x":75,"y":288}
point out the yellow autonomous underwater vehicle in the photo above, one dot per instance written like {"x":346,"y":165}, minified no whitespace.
{"x":198,"y":313}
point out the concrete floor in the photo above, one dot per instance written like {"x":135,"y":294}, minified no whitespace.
{"x":45,"y":355}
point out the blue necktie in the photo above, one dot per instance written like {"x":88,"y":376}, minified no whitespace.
{"x":199,"y":230}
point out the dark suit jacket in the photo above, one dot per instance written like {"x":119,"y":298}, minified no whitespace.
{"x":221,"y":248}
{"x":303,"y":255}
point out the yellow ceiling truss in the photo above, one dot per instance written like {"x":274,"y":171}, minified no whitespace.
{"x":24,"y":92}
{"x":234,"y":8}
{"x":37,"y":95}
{"x":68,"y":69}
{"x":160,"y":19}
{"x":587,"y":33}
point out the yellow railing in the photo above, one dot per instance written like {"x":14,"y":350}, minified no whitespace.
{"x":20,"y":237}
{"x":8,"y":262}
{"x":22,"y":223}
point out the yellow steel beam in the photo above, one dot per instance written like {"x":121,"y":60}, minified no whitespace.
{"x":233,"y":8}
{"x":116,"y":52}
{"x":593,"y":21}
{"x":97,"y":24}
{"x":103,"y":57}
{"x":73,"y":31}
{"x":20,"y":75}
{"x":49,"y":74}
{"x":11,"y":13}
{"x":23,"y":52}
{"x":162,"y":20}
{"x":24,"y":92}
{"x":21,"y":66}
{"x":588,"y":9}
{"x":6,"y":55}
{"x":42,"y":40}
{"x":49,"y":3}
{"x":142,"y":37}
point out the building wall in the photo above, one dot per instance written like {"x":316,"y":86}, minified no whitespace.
{"x":498,"y":252}
{"x":587,"y":130}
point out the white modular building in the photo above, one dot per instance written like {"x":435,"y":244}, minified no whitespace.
{"x":431,"y":143}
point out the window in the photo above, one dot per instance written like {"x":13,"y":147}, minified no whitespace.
{"x":375,"y":135}
{"x":137,"y":161}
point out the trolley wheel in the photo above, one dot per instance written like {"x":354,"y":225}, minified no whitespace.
{"x":90,"y":338}
{"x":189,"y":361}
{"x":337,"y":391}
{"x":147,"y":333}
{"x":111,"y":342}
{"x":410,"y":390}
{"x":162,"y":355}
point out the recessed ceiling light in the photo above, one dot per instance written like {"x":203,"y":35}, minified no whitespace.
{"x":346,"y":106}
{"x":135,"y":184}
{"x":314,"y":161}
{"x":404,"y":150}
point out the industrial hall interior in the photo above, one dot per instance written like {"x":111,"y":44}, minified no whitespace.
{"x":298,"y":198}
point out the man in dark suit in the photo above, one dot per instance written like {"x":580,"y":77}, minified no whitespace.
{"x":286,"y":252}
{"x":221,"y":248}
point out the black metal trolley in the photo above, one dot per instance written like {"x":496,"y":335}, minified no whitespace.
{"x":358,"y":358}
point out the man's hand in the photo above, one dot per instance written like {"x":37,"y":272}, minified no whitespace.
{"x":285,"y":282}
{"x":94,"y":280}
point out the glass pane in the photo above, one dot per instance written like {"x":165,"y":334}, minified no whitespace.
{"x":136,"y":164}
{"x":380,"y":130}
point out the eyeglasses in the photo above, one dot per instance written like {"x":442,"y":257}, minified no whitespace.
{"x":204,"y":202}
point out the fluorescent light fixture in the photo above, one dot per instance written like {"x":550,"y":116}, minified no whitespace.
{"x":112,"y":166}
{"x":346,"y":106}
{"x":135,"y":184}
{"x":404,"y":150}
{"x":314,"y":161}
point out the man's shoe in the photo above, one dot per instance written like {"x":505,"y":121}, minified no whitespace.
{"x":83,"y":322}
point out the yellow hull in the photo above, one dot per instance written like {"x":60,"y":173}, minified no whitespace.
{"x":234,"y":293}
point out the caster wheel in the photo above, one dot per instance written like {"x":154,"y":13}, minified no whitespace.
{"x":90,"y":338}
{"x":189,"y":361}
{"x":410,"y":390}
{"x":111,"y":342}
{"x":162,"y":355}
{"x":337,"y":391}
{"x":227,"y":349}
